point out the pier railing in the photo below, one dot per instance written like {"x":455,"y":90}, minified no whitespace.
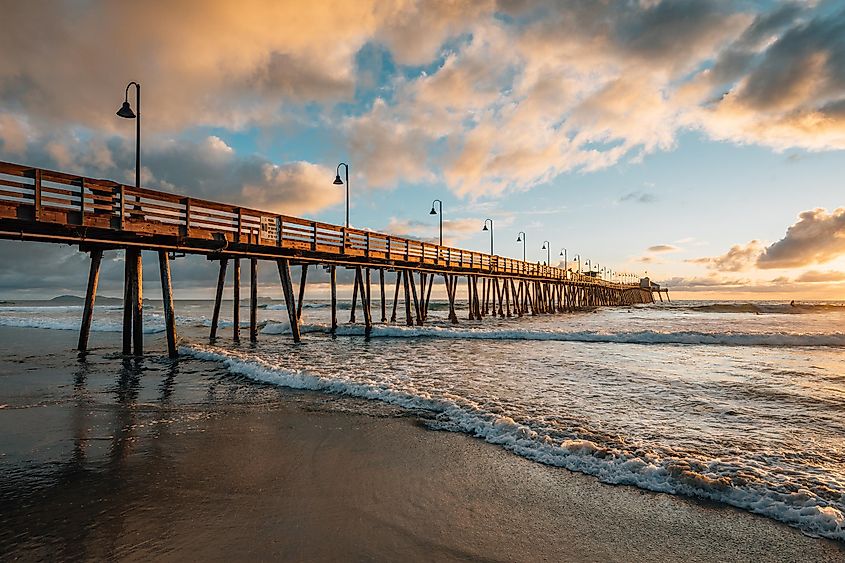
{"x":46,"y":196}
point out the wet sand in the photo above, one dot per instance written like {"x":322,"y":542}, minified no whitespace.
{"x":285,"y":483}
{"x":303,"y":477}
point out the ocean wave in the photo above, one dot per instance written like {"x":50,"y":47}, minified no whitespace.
{"x":74,"y":324}
{"x":633,"y":337}
{"x":760,"y":308}
{"x":744,"y":487}
{"x":54,"y":308}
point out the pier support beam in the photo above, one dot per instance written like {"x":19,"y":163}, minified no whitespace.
{"x":396,"y":295}
{"x":360,"y":278}
{"x":409,"y":319}
{"x":90,"y":297}
{"x":253,"y":300}
{"x":383,"y":302}
{"x":333,"y":278}
{"x":218,"y":298}
{"x":137,"y":303}
{"x":290,"y":300}
{"x":354,"y":296}
{"x":236,"y":300}
{"x":127,"y":302}
{"x":303,"y":278}
{"x":417,"y":310}
{"x":167,"y":302}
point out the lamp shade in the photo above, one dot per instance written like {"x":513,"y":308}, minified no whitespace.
{"x":125,"y":111}
{"x":337,"y":180}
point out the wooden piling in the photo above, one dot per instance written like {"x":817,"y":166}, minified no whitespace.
{"x":396,"y":295}
{"x":383,"y":303}
{"x":507,"y":298}
{"x":137,"y":304}
{"x":236,"y":300}
{"x":167,"y":302}
{"x":365,"y":297}
{"x":90,"y":297}
{"x":408,"y":317}
{"x":302,"y":281}
{"x":290,"y":302}
{"x":428,"y":296}
{"x":127,"y":302}
{"x":253,"y":300}
{"x":333,"y":278}
{"x":367,"y":286}
{"x":218,"y":298}
{"x":416,"y":300}
{"x":354,"y":296}
{"x":451,"y":286}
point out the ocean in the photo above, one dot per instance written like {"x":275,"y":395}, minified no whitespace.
{"x":737,"y":403}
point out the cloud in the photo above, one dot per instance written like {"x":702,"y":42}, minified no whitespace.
{"x":453,"y":229}
{"x":639,"y":197}
{"x":485,"y":96}
{"x":817,"y":237}
{"x":663,"y":248}
{"x":207,"y":168}
{"x":813,"y":276}
{"x":738,"y":258}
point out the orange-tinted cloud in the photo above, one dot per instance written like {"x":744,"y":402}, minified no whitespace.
{"x":817,"y":237}
{"x":739,"y":258}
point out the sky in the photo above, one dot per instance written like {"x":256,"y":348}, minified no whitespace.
{"x":699,"y":143}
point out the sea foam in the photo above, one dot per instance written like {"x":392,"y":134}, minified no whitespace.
{"x":633,"y":337}
{"x":635,"y":466}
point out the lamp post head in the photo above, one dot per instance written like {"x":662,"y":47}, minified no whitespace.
{"x":544,"y":246}
{"x":125,"y":111}
{"x":561,"y":252}
{"x":485,"y":227}
{"x":433,"y":211}
{"x":518,"y":238}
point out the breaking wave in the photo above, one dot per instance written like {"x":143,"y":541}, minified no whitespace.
{"x":741,"y":485}
{"x":634,"y":337}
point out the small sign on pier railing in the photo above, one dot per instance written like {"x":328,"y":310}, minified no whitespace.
{"x":269,"y":229}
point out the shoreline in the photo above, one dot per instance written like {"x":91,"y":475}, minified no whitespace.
{"x":267,"y":472}
{"x":309,"y":483}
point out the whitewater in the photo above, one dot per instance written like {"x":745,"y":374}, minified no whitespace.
{"x":738,"y":403}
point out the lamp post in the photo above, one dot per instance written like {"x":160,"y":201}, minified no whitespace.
{"x":578,"y":257}
{"x":438,"y":211}
{"x":565,"y":261}
{"x":491,"y":233}
{"x":588,"y":264}
{"x":520,"y":237}
{"x":126,"y":112}
{"x":339,"y":182}
{"x":547,"y":246}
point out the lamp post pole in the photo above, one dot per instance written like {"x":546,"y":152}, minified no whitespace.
{"x":338,"y":182}
{"x":439,"y":211}
{"x":126,"y":112}
{"x":491,"y":233}
{"x":520,"y":237}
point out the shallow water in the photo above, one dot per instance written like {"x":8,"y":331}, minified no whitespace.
{"x":739,"y":403}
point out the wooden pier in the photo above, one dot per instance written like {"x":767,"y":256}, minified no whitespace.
{"x":97,"y":215}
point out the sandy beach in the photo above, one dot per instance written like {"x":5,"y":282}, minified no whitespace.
{"x":303,"y":476}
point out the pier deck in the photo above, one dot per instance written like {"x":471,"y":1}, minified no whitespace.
{"x":97,"y":215}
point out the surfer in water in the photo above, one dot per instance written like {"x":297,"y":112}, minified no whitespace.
{"x":792,"y":303}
